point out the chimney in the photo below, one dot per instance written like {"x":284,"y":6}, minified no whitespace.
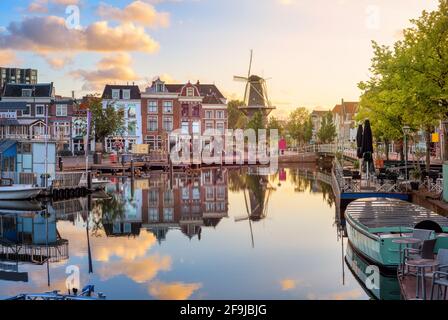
{"x":73,"y":94}
{"x":198,"y":83}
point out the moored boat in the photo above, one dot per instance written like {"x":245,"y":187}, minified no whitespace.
{"x":19,"y":192}
{"x":374,"y":224}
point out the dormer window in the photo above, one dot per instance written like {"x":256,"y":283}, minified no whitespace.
{"x":115,"y":94}
{"x":190,"y":92}
{"x":160,"y":87}
{"x":27,"y":92}
{"x":126,"y":94}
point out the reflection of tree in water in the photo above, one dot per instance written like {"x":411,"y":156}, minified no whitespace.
{"x":307,"y":180}
{"x":107,"y":210}
{"x":300,"y":182}
{"x":327,"y":193}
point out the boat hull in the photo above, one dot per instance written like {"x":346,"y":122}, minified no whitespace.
{"x":382,"y":252}
{"x":19,"y":193}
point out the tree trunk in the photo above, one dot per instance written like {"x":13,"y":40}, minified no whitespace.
{"x":428,"y":148}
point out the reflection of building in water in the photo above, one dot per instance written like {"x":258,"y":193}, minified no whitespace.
{"x":194,"y":202}
{"x":122,"y":213}
{"x":24,"y":237}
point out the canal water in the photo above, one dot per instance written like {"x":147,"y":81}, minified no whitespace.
{"x":217,"y":234}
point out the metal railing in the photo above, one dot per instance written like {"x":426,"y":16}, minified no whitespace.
{"x":69,"y":180}
{"x":20,"y":177}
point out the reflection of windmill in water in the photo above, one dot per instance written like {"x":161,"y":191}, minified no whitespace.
{"x":256,"y":200}
{"x":256,"y":94}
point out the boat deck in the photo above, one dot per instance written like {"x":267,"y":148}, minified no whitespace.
{"x":382,"y":212}
{"x":408,"y":288}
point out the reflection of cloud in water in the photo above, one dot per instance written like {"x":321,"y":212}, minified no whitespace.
{"x":104,"y":248}
{"x":173,"y":291}
{"x":140,"y":270}
{"x":288,"y":284}
{"x":344,"y":295}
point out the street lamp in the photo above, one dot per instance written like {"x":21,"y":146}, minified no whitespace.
{"x":406,"y":131}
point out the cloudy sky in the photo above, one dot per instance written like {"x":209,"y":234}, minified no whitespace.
{"x":314,"y":51}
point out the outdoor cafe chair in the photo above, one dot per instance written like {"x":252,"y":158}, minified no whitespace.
{"x":440,"y":276}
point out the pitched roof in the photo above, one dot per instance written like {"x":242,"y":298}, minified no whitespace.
{"x":204,"y":89}
{"x":319,"y":113}
{"x":211,"y":99}
{"x":40,"y":90}
{"x":337,"y":109}
{"x":351,"y":107}
{"x":135,"y":91}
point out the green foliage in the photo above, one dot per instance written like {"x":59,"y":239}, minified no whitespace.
{"x":257,"y":122}
{"x":274,"y":123}
{"x":106,"y":121}
{"x":327,"y":131}
{"x":409,"y":82}
{"x":237,"y":119}
{"x":300,"y":126}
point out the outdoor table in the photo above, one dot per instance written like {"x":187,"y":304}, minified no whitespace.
{"x":421,"y":265}
{"x":405,"y":241}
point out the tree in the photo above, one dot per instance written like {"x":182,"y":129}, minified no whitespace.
{"x":327,"y":131}
{"x":274,"y":123}
{"x":300,"y":126}
{"x":409,"y":82}
{"x":106,"y":121}
{"x":257,"y":122}
{"x":237,"y":119}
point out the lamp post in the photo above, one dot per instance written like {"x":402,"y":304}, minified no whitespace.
{"x":406,"y":131}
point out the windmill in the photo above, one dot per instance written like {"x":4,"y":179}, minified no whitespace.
{"x":256,"y":94}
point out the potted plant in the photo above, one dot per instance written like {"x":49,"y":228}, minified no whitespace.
{"x":416,"y":176}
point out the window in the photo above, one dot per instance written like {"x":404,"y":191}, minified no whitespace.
{"x":154,"y":142}
{"x":190,"y":92}
{"x":185,"y":110}
{"x":61,"y":110}
{"x":25,"y":148}
{"x":40,"y":110}
{"x":196,"y":127}
{"x":221,"y":193}
{"x":196,"y":111}
{"x":185,"y":127}
{"x":153,"y":214}
{"x":208,"y":114}
{"x":168,"y":214}
{"x":168,"y":124}
{"x":196,"y":193}
{"x":115,"y":94}
{"x":220,"y":114}
{"x":126,"y":94}
{"x":209,"y":193}
{"x":61,"y":129}
{"x":220,"y":127}
{"x":26,"y":112}
{"x":153,"y":124}
{"x":152,"y":107}
{"x":160,"y":87}
{"x":168,"y":198}
{"x":27,"y":92}
{"x":153,"y":198}
{"x":209,"y":125}
{"x":132,"y":114}
{"x":185,"y":194}
{"x":167,"y":106}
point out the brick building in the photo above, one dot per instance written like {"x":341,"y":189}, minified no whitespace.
{"x":193,"y":108}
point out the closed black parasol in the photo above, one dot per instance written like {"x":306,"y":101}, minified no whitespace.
{"x":359,"y":136}
{"x":367,"y":146}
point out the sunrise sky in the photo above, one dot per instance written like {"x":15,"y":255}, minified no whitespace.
{"x":314,"y":51}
